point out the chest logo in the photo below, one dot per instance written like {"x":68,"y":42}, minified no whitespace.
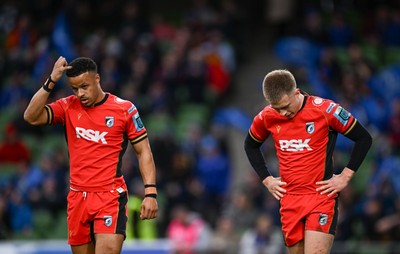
{"x":109,"y":121}
{"x":310,"y":127}
{"x":91,"y":135}
{"x":295,"y":145}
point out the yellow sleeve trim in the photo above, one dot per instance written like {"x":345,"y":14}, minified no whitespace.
{"x":351,"y":127}
{"x":49,"y":114}
{"x":138,"y":139}
{"x":255,"y":139}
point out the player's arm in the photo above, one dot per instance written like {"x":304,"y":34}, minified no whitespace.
{"x":257,"y":161}
{"x":362,"y":142}
{"x":147,"y":168}
{"x":35,"y":113}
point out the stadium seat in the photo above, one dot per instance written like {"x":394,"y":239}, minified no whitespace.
{"x":7,"y":171}
{"x":297,"y":51}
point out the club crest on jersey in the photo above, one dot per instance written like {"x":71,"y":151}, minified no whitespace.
{"x":107,"y":220}
{"x":109,"y":121}
{"x":323,"y":219}
{"x":310,"y":127}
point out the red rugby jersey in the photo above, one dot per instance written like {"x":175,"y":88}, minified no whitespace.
{"x":97,"y":138}
{"x":304,"y":144}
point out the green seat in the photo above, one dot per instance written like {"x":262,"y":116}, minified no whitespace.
{"x":392,"y":56}
{"x":191,"y":114}
{"x":7,"y":171}
{"x":42,"y":224}
{"x":157,"y":124}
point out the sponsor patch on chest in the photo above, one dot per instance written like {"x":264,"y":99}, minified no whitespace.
{"x":91,"y":135}
{"x":295,"y":145}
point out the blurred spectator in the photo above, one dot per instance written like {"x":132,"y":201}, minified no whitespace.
{"x":328,"y":68}
{"x":195,"y":76}
{"x":224,"y":239}
{"x":340,"y":32}
{"x":371,"y":213}
{"x":213,"y":171}
{"x":200,"y":13}
{"x":48,"y":197}
{"x":394,"y":126}
{"x":5,"y":222}
{"x":348,"y":215}
{"x":137,"y":228}
{"x":51,"y":193}
{"x":22,"y":36}
{"x":29,"y":176}
{"x":263,"y":238}
{"x":241,"y":210}
{"x":217,"y":45}
{"x":13,"y":148}
{"x":188,"y":232}
{"x":21,"y":216}
{"x":15,"y":90}
{"x":313,"y":27}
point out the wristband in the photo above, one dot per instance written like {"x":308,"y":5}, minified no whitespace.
{"x":46,"y":85}
{"x":151,"y":195}
{"x":149,"y":185}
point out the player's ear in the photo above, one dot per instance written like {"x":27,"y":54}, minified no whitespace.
{"x":97,"y":79}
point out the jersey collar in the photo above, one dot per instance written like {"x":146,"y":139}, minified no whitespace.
{"x":102,"y":101}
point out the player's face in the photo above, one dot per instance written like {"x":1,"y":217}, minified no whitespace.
{"x":87,"y":88}
{"x":289,"y":105}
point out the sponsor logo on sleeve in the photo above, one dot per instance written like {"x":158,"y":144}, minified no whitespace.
{"x":330,"y":107}
{"x":131,"y":109}
{"x":138,"y":122}
{"x":342,"y":115}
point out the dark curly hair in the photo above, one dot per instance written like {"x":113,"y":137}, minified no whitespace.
{"x":81,"y":65}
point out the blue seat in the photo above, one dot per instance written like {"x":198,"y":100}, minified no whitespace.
{"x":297,"y":51}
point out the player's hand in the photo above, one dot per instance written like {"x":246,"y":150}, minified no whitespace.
{"x":149,"y":208}
{"x":60,"y":66}
{"x":273,"y":185}
{"x":336,"y":183}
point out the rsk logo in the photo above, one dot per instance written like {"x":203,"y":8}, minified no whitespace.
{"x":294,"y":145}
{"x":91,"y":135}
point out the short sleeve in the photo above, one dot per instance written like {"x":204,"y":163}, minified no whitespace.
{"x":258,"y":131}
{"x":136,"y":130}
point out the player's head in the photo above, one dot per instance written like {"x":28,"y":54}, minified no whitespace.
{"x":280,"y":89}
{"x":81,"y":65}
{"x":85,"y":81}
{"x":277,"y":83}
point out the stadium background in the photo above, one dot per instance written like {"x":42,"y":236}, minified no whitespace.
{"x":194,"y":70}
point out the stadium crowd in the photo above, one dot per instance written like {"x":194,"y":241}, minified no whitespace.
{"x":178,"y":68}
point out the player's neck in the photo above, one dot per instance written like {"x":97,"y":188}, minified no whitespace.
{"x":100,"y":99}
